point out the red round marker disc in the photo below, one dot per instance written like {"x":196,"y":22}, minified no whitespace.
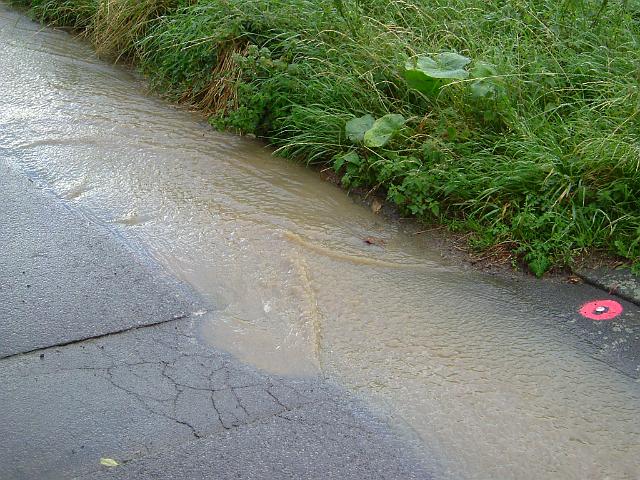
{"x":601,"y":310}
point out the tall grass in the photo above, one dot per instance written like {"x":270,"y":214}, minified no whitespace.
{"x":550,"y":166}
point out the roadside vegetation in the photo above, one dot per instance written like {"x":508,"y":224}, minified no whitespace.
{"x":516,"y":120}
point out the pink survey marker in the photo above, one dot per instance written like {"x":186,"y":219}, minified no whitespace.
{"x":601,"y":310}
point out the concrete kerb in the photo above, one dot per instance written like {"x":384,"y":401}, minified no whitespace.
{"x":619,"y":282}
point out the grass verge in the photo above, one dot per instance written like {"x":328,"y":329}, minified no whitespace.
{"x":517,"y":120}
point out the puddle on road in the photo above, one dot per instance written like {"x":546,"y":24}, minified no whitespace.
{"x":467,"y":361}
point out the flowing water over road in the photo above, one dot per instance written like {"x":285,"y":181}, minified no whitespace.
{"x":497,"y":379}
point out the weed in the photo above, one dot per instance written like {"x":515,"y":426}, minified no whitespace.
{"x":516,"y":120}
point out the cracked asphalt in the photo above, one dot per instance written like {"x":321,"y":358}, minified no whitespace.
{"x":101,"y":357}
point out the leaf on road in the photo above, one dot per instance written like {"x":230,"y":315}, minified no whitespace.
{"x":108,"y":462}
{"x":374,"y":241}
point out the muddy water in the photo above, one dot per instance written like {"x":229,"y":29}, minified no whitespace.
{"x":471,"y":364}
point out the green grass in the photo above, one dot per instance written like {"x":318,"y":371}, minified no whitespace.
{"x":539,"y":150}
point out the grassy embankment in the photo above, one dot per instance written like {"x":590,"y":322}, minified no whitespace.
{"x":529,"y":138}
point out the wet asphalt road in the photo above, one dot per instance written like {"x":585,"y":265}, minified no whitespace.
{"x":615,"y":343}
{"x":102,"y":358}
{"x":496,"y":375}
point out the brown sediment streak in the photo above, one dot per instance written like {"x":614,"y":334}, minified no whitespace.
{"x":314,"y":310}
{"x":56,"y":142}
{"x":77,"y":190}
{"x":327,"y":252}
{"x":132,"y":218}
